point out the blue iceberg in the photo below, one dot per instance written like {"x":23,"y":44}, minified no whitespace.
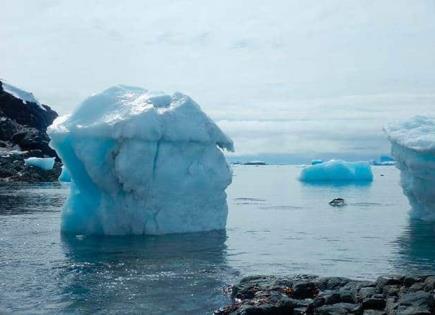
{"x":42,"y":163}
{"x":413,"y":147}
{"x":142,"y":163}
{"x":337,"y":171}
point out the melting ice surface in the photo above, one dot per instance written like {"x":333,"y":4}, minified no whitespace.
{"x":413,"y":146}
{"x":142,"y":163}
{"x":43,"y":163}
{"x":336,"y":171}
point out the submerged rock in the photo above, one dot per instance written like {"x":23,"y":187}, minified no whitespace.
{"x":329,"y":295}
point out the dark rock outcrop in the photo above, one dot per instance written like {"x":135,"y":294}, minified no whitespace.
{"x":331,"y":296}
{"x":24,"y":124}
{"x":23,"y":133}
{"x":13,"y":169}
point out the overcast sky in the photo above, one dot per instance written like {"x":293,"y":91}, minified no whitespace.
{"x":298,"y":78}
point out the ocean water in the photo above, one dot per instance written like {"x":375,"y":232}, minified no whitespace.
{"x":276,"y":225}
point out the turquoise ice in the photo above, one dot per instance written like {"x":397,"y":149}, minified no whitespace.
{"x":142,"y":163}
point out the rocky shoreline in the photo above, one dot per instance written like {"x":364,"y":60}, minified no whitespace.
{"x":13,"y":169}
{"x":23,"y":134}
{"x":306,"y":294}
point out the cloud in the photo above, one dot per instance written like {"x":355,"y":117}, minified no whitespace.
{"x":280,"y":77}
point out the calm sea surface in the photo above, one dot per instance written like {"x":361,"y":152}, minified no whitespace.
{"x":276,"y":225}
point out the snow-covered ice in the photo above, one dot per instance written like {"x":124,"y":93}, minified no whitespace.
{"x":337,"y":171}
{"x":21,"y":94}
{"x":43,"y":163}
{"x":413,"y":147}
{"x":142,"y":163}
{"x":65,"y":176}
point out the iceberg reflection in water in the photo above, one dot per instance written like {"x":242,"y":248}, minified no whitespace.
{"x":164,"y":274}
{"x":416,"y":250}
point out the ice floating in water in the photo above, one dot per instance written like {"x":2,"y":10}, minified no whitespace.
{"x":413,"y":147}
{"x":43,"y":163}
{"x":142,"y":163}
{"x":337,"y":171}
{"x":384,"y":160}
{"x":315,"y":162}
{"x":64,"y":176}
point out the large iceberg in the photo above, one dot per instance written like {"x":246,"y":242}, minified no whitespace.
{"x":337,"y":171}
{"x":413,"y":147}
{"x":142,"y":163}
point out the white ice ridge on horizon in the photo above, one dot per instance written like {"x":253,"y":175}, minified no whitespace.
{"x":142,"y":163}
{"x":337,"y":171}
{"x":413,"y":147}
{"x":21,"y":94}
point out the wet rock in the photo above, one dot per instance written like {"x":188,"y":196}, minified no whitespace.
{"x":390,"y":290}
{"x":373,"y":312}
{"x":429,"y":283}
{"x":419,"y":286}
{"x":305,"y":290}
{"x":389,"y":280}
{"x":366,"y":292}
{"x":374,"y":303}
{"x":409,"y":281}
{"x":338,"y":309}
{"x":333,"y":295}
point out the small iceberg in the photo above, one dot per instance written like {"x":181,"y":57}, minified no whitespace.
{"x":142,"y":163}
{"x":337,"y":171}
{"x":413,"y":147}
{"x":42,"y":163}
{"x":384,"y":160}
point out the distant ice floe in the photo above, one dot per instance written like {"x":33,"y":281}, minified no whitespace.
{"x":337,"y":171}
{"x":413,"y":147}
{"x":317,"y":161}
{"x":383,"y":160}
{"x":43,"y":163}
{"x":142,"y":163}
